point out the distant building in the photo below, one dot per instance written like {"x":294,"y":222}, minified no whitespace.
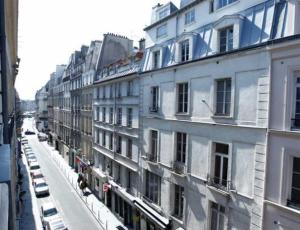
{"x":41,"y":99}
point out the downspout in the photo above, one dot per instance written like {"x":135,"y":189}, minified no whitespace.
{"x":3,"y":73}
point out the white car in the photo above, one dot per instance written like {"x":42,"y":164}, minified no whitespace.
{"x":55,"y":224}
{"x":40,"y":187}
{"x":31,"y":159}
{"x":48,"y":212}
{"x":37,"y":174}
{"x":33,"y":166}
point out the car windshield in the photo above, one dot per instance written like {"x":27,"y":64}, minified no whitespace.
{"x":41,"y":185}
{"x":35,"y":167}
{"x":50,"y":212}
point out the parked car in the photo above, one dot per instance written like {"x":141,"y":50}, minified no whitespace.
{"x":33,"y":166}
{"x":41,"y":188}
{"x":31,"y":158}
{"x":55,"y":224}
{"x":48,"y":212}
{"x":24,"y":141}
{"x":37,"y":174}
{"x":42,"y":137}
{"x":29,"y":132}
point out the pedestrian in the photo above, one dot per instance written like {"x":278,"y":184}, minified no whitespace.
{"x":79,"y":179}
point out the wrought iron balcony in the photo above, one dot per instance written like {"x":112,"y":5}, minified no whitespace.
{"x":293,"y":204}
{"x":152,"y":158}
{"x":179,"y":167}
{"x":219,"y":183}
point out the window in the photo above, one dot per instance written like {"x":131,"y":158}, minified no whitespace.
{"x":223,"y":3}
{"x":119,"y":89}
{"x":156,"y":59}
{"x":294,"y":198}
{"x":111,"y":138}
{"x":296,"y":119}
{"x":97,"y":136}
{"x":119,"y":145}
{"x":129,"y":117}
{"x":211,"y":6}
{"x":129,"y":88}
{"x":153,"y":187}
{"x":154,"y":99}
{"x":163,"y":13}
{"x":128,"y":179}
{"x":179,"y":201}
{"x":118,"y":173}
{"x":103,"y":138}
{"x":153,"y":145}
{"x":103,"y":114}
{"x":111,"y":115}
{"x":223,"y":97}
{"x":217,"y":216}
{"x":180,"y":147}
{"x":226,"y":39}
{"x":161,"y":31}
{"x":111,"y":91}
{"x":103,"y":92}
{"x":189,"y":17}
{"x":119,"y":116}
{"x":129,"y":148}
{"x":221,"y":165}
{"x":182,"y":98}
{"x":97,"y":113}
{"x":185,"y":50}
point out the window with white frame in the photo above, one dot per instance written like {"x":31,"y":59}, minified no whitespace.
{"x":189,"y":17}
{"x":119,"y":116}
{"x":119,"y":145}
{"x":129,"y":117}
{"x":296,"y":118}
{"x":217,"y":216}
{"x":181,"y":147}
{"x":294,"y":196}
{"x":182,"y":97}
{"x":185,"y":50}
{"x":111,"y":138}
{"x":153,"y":145}
{"x":97,"y":133}
{"x":154,"y":99}
{"x":163,"y":13}
{"x":220,"y":177}
{"x":226,"y":39}
{"x":103,"y":114}
{"x":161,"y":31}
{"x":111,"y":115}
{"x":223,"y":97}
{"x":153,"y":184}
{"x":129,"y":148}
{"x":223,"y":3}
{"x":178,"y":201}
{"x":129,"y":88}
{"x":156,"y":59}
{"x":103,"y":138}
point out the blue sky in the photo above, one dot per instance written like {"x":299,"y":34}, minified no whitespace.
{"x":50,"y":30}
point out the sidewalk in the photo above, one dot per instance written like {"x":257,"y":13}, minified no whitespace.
{"x":103,"y":215}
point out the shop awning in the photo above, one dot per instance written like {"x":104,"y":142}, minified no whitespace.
{"x":158,"y":219}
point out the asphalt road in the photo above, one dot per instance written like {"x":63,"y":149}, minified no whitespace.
{"x":71,"y":208}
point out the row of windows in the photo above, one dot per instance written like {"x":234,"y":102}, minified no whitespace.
{"x":110,"y":91}
{"x":119,"y":112}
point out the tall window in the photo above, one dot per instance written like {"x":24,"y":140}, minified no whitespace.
{"x":185,"y":50}
{"x":129,"y":148}
{"x":103,"y":92}
{"x":128,"y":179}
{"x":129,"y":88}
{"x":189,"y":17}
{"x":153,"y":145}
{"x":111,"y":138}
{"x":129,"y":117}
{"x":294,"y":199}
{"x":119,"y":89}
{"x":221,"y":165}
{"x":119,"y":116}
{"x":154,"y":99}
{"x":111,"y":91}
{"x":180,"y":147}
{"x":223,"y":3}
{"x":182,"y":98}
{"x":226,"y":39}
{"x":103,"y":138}
{"x":217,"y":216}
{"x":153,"y":187}
{"x":178,"y":201}
{"x":156,"y":59}
{"x":97,"y":113}
{"x":111,"y":115}
{"x":161,"y":31}
{"x":119,"y":145}
{"x":223,"y":97}
{"x":103,"y":114}
{"x":163,"y":13}
{"x":296,"y":119}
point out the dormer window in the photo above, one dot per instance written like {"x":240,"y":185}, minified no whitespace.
{"x":161,"y":31}
{"x":223,"y":3}
{"x":156,"y":59}
{"x":189,"y":17}
{"x":226,"y":39}
{"x":185,"y":50}
{"x":163,"y":13}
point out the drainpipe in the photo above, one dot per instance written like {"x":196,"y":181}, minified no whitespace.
{"x":3,"y":73}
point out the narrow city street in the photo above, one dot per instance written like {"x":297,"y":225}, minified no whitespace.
{"x":71,"y":208}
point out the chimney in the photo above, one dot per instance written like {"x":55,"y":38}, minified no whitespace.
{"x":142,"y":44}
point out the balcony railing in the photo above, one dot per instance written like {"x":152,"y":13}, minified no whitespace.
{"x":152,"y":157}
{"x":295,"y":122}
{"x":179,"y":167}
{"x":219,"y":183}
{"x":293,"y":204}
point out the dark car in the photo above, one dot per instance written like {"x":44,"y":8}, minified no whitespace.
{"x":28,"y":132}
